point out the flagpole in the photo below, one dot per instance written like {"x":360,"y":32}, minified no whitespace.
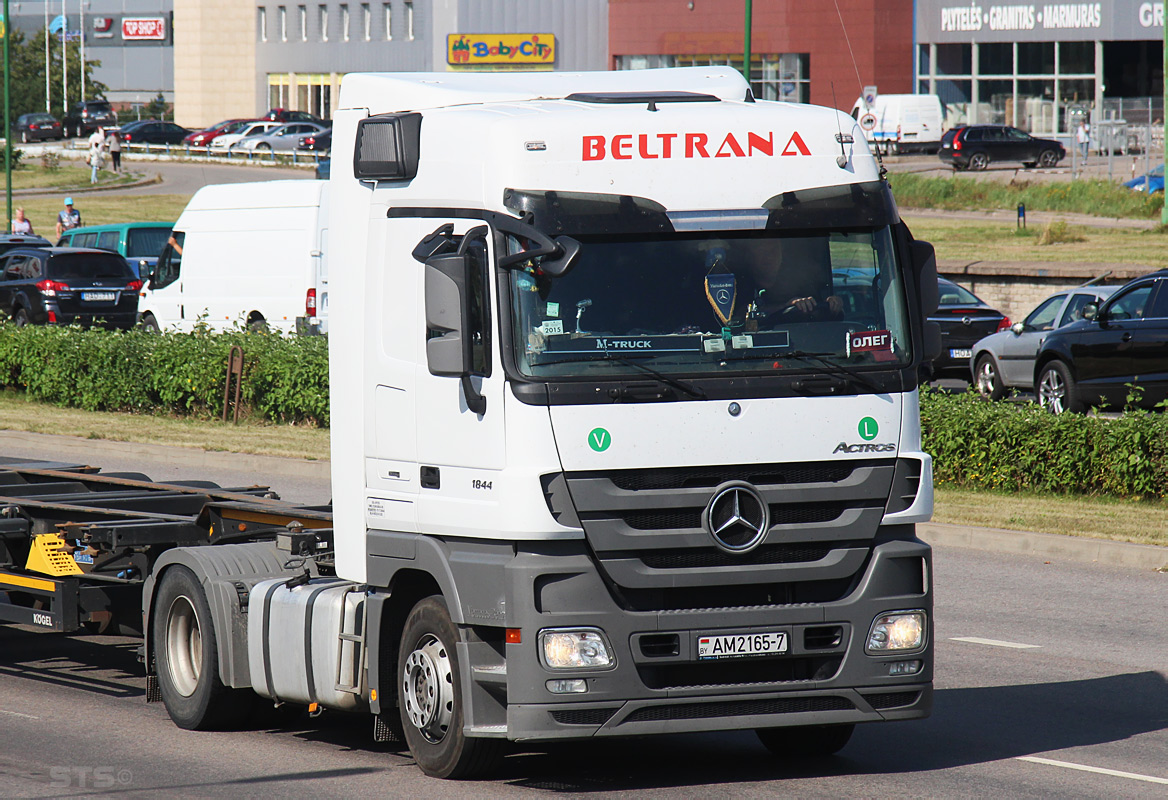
{"x":7,"y":127}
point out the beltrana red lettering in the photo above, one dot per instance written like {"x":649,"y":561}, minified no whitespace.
{"x":648,"y":146}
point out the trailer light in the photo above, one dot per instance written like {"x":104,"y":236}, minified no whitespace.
{"x":514,"y":636}
{"x":577,"y":686}
{"x":904,"y":668}
{"x":580,"y":648}
{"x":899,"y":630}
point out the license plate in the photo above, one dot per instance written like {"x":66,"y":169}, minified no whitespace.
{"x":98,"y":297}
{"x":960,"y":353}
{"x":745,"y":644}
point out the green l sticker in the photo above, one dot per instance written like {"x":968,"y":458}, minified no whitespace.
{"x":868,"y":429}
{"x":599,"y":439}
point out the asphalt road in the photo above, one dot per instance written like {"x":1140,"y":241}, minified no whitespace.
{"x":1060,"y":662}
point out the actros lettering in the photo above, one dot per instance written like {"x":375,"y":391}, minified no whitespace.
{"x":844,"y":447}
{"x":648,"y":146}
{"x":624,"y":344}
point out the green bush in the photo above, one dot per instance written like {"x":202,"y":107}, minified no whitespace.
{"x":1020,"y":447}
{"x":285,"y":378}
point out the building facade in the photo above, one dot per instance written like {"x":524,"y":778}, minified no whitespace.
{"x":818,"y":52}
{"x":1042,"y":66}
{"x":237,"y":59}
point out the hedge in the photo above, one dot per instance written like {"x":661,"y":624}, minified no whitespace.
{"x":285,"y":378}
{"x":1020,"y":447}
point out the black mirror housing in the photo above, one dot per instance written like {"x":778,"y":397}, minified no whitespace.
{"x":448,"y":344}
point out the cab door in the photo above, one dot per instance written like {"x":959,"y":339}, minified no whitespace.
{"x":1103,"y":353}
{"x":162,"y":296}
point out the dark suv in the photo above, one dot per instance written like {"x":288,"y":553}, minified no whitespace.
{"x":977,"y":146}
{"x":63,"y":285}
{"x":87,"y":116}
{"x":1097,"y":360}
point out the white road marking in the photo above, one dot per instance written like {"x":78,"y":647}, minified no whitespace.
{"x":992,"y":642}
{"x":1099,"y":770}
{"x":18,"y":714}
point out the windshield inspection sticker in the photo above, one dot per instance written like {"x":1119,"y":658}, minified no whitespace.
{"x":553,"y":309}
{"x":744,"y":342}
{"x":552,"y":327}
{"x":714,"y":345}
{"x":599,"y":439}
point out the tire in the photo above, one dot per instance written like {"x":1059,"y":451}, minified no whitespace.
{"x":811,"y":741}
{"x":1030,"y":164}
{"x":20,"y":317}
{"x":1055,"y":389}
{"x":979,"y":161}
{"x":149,"y":324}
{"x":187,"y":658}
{"x":263,"y":147}
{"x":1048,"y":159}
{"x":257,"y":325}
{"x":430,"y":701}
{"x":986,"y":378}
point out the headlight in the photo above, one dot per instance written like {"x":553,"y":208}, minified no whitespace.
{"x":580,"y":648}
{"x":900,"y":630}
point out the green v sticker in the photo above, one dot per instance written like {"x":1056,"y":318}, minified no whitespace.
{"x":599,"y":439}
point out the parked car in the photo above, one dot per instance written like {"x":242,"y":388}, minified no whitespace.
{"x":281,"y":139}
{"x":224,"y":141}
{"x":140,"y":243}
{"x":11,"y":240}
{"x":977,"y":146}
{"x":284,"y":115}
{"x":207,"y":135}
{"x":87,"y":116}
{"x":318,"y":142}
{"x":66,"y":285}
{"x":1120,"y":344}
{"x":152,"y":131}
{"x":1005,"y":360}
{"x":37,"y":128}
{"x":964,"y":320}
{"x":1150,"y":182}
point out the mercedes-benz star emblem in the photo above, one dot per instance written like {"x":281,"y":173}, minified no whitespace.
{"x":737,"y":517}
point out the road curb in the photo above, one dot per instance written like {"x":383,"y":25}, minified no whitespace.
{"x":1047,"y":545}
{"x":90,"y":451}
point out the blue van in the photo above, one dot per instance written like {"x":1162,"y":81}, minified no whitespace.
{"x":140,"y":243}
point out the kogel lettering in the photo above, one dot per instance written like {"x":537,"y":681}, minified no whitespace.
{"x":652,"y":146}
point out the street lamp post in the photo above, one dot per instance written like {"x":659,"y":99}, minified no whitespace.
{"x":746,"y":43}
{"x":7,"y":125}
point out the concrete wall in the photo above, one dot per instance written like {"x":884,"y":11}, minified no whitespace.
{"x":214,"y":61}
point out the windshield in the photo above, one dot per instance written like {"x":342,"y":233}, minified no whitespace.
{"x":713,"y":302}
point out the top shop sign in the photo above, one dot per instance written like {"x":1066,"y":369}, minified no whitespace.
{"x":945,"y":21}
{"x":144,"y":29}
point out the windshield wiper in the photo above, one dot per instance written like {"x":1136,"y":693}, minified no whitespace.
{"x":833,"y":366}
{"x":681,"y":386}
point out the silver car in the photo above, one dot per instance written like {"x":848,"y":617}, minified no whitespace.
{"x":281,"y":139}
{"x":1005,"y":360}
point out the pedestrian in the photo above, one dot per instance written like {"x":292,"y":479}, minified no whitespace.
{"x":69,"y":218}
{"x":114,"y":145}
{"x":21,"y":224}
{"x":1083,"y":137}
{"x":96,"y":152}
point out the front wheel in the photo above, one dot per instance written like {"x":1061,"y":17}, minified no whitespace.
{"x":979,"y":161}
{"x":989,"y":383}
{"x":149,"y":323}
{"x":1047,"y":159}
{"x":811,"y":741}
{"x":187,"y":657}
{"x":430,"y":700}
{"x":1056,"y":389}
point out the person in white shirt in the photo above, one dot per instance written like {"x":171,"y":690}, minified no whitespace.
{"x":96,"y":153}
{"x":21,"y":224}
{"x":1083,"y":137}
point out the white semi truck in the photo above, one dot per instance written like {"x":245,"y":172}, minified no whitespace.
{"x":624,"y":387}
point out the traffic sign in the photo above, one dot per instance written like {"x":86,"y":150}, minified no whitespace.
{"x":868,"y":122}
{"x":869,"y":96}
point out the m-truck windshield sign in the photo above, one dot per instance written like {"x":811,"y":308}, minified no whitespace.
{"x":647,"y":146}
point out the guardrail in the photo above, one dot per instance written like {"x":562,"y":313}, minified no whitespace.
{"x":252,"y":156}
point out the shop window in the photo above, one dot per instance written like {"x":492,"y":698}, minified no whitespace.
{"x":954,"y":59}
{"x":303,"y":23}
{"x":262,"y":23}
{"x":923,"y":59}
{"x":1077,"y":58}
{"x":345,"y":22}
{"x":323,"y":10}
{"x":995,"y":58}
{"x":996,"y":100}
{"x":388,"y":9}
{"x":283,"y":24}
{"x":367,"y":20}
{"x":1036,"y":106}
{"x":1036,"y":58}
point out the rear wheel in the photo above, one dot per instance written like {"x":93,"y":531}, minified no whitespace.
{"x":20,"y":317}
{"x":811,"y":741}
{"x":989,"y":383}
{"x":187,"y":657}
{"x":263,"y":147}
{"x":979,"y":161}
{"x":430,"y":699}
{"x":1047,"y":159}
{"x":1056,"y":389}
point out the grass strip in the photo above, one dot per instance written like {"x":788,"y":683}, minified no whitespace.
{"x":1099,"y":197}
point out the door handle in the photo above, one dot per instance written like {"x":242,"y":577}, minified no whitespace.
{"x":1127,"y":337}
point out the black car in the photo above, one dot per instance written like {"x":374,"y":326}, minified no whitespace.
{"x":964,"y":320}
{"x":37,"y":128}
{"x":285,"y":115}
{"x":87,"y":116}
{"x":8,"y":241}
{"x":152,"y":131}
{"x":319,"y":142}
{"x":1097,"y":360}
{"x":977,"y":146}
{"x":65,"y":285}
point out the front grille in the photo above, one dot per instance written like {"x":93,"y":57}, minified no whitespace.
{"x":823,"y":638}
{"x":709,"y":477}
{"x":583,"y":716}
{"x":742,"y":708}
{"x":702,"y":598}
{"x":739,"y":672}
{"x":767,"y":554}
{"x":690,"y":518}
{"x":887,"y":700}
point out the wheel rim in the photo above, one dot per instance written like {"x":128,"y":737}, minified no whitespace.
{"x":428,"y":688}
{"x":1047,"y":159}
{"x":184,"y":646}
{"x":987,"y":378}
{"x":978,"y":161}
{"x":1052,"y":392}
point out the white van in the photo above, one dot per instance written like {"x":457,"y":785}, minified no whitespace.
{"x":245,"y":254}
{"x":902,"y":122}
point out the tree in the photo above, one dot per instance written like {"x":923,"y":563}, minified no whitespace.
{"x":156,"y":108}
{"x":27,"y":86}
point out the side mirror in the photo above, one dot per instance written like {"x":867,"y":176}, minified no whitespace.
{"x":448,"y":329}
{"x":1090,"y":311}
{"x":924,"y":262}
{"x":559,"y":266}
{"x":932,"y":342}
{"x":1018,"y":328}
